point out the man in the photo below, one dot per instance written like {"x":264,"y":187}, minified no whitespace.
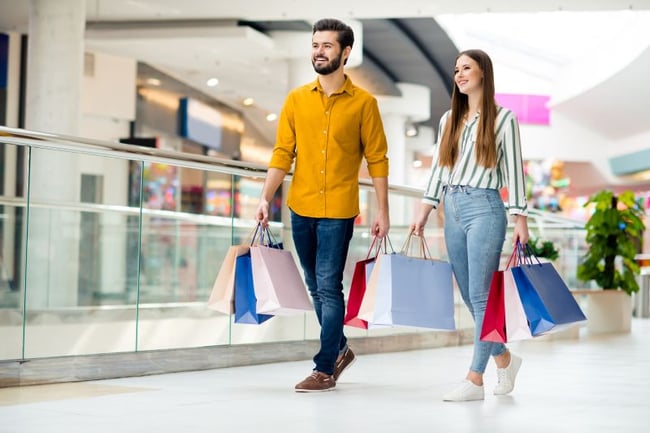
{"x":327,"y":127}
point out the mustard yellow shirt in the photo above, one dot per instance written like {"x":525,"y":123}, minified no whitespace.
{"x":328,"y":137}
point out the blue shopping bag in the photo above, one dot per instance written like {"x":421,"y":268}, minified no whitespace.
{"x":547,"y":301}
{"x":413,"y":291}
{"x":539,"y":318}
{"x":245,"y":300}
{"x":553,"y":292}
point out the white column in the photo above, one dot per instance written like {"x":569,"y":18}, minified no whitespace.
{"x":412,"y":106}
{"x":53,"y":104}
{"x":55,"y":65}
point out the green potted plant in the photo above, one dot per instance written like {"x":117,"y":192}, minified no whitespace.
{"x":614,"y":234}
{"x":545,"y":249}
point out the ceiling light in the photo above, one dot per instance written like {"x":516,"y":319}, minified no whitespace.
{"x":212,"y":82}
{"x":410,"y":129}
{"x":271,"y":117}
{"x":153,"y":81}
{"x":248,"y":102}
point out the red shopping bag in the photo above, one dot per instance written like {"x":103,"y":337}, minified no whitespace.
{"x":494,"y":326}
{"x":494,"y":321}
{"x":360,"y":276}
{"x":357,"y":289}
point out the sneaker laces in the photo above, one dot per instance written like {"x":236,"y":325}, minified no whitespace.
{"x":502,"y":375}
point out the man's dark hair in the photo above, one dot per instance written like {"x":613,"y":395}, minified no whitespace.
{"x":345,"y":34}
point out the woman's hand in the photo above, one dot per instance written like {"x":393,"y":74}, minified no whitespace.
{"x":417,"y":227}
{"x":520,"y":232}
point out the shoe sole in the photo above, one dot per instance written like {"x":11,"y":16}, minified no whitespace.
{"x":314,"y":390}
{"x":346,"y":367}
{"x":460,"y":401}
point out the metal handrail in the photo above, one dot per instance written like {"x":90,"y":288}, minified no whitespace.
{"x":87,"y":146}
{"x":43,"y":140}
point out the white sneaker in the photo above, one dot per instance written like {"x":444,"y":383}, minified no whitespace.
{"x":466,"y":391}
{"x":506,"y":376}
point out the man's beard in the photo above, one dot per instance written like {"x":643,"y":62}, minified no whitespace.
{"x":329,"y":67}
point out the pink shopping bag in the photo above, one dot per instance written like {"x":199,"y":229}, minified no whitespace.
{"x":517,"y":326}
{"x":279,"y":287}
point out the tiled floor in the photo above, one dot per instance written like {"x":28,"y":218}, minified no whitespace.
{"x":593,"y":384}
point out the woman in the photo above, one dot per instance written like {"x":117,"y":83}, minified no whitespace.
{"x":478,"y":154}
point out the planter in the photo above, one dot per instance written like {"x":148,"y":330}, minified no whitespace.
{"x":607,"y":311}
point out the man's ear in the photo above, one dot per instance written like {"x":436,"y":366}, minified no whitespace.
{"x":346,"y":54}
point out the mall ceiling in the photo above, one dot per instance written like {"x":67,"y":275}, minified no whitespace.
{"x":194,"y":40}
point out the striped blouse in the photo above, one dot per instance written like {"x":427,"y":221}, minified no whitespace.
{"x":508,"y":172}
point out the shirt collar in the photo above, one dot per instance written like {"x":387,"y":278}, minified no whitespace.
{"x":347,"y":87}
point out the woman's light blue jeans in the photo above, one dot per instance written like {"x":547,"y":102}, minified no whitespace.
{"x":322,"y":247}
{"x":475,"y":229}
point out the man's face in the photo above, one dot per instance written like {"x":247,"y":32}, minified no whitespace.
{"x":326,"y":52}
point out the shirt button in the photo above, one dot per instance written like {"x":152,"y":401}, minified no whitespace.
{"x":321,"y":191}
{"x":322,"y":171}
{"x":322,"y":151}
{"x":325,"y":131}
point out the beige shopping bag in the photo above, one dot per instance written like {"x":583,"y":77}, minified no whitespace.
{"x":221,"y":297}
{"x":279,"y":287}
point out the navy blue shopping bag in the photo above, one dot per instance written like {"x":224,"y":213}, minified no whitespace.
{"x":245,"y":300}
{"x":554,"y":293}
{"x":539,"y":318}
{"x":547,"y":301}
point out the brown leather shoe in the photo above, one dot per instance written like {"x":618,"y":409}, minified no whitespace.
{"x":343,"y":362}
{"x":316,"y":382}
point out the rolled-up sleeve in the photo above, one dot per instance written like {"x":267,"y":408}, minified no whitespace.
{"x":284,"y":151}
{"x":375,"y":146}
{"x":517,"y":202}
{"x":433,"y":188}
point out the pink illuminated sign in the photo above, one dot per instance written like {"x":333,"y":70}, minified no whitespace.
{"x":530,"y":109}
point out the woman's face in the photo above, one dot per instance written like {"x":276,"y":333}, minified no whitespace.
{"x":467,"y":75}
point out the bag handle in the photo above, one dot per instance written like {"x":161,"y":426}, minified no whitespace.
{"x":380,"y":246}
{"x":517,"y":257}
{"x":268,"y":239}
{"x":254,"y":235}
{"x":530,"y":255}
{"x":262,"y":236}
{"x":423,"y":248}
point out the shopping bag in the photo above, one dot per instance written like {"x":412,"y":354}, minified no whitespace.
{"x":558,"y":308}
{"x":279,"y":287}
{"x":245,"y":301}
{"x":221,"y":297}
{"x":362,"y":270}
{"x":360,"y":276}
{"x":412,"y":291}
{"x":367,"y":307}
{"x":517,"y":326}
{"x":494,"y":320}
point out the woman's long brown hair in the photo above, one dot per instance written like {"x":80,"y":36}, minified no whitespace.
{"x":486,"y":149}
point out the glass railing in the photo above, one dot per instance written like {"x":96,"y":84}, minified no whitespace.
{"x":104,"y":250}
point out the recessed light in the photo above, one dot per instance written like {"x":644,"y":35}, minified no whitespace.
{"x":271,"y":117}
{"x":248,"y":102}
{"x":212,"y":82}
{"x":153,"y":81}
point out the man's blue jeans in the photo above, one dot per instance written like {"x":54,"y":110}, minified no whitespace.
{"x":322,"y":247}
{"x":475,"y":229}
